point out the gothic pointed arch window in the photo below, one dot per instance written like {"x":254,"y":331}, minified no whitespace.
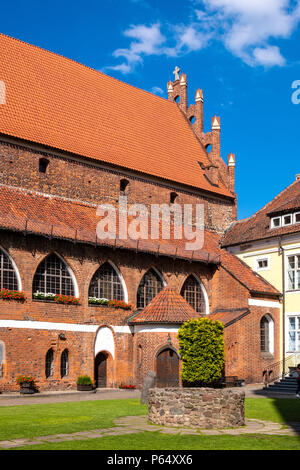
{"x":54,"y":276}
{"x":64,"y":363}
{"x":267,"y":334}
{"x":8,"y":274}
{"x":106,"y":284}
{"x":2,"y":358}
{"x":150,"y":285}
{"x":192,"y":291}
{"x":49,"y":362}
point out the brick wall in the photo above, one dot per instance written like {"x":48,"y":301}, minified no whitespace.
{"x":86,"y":181}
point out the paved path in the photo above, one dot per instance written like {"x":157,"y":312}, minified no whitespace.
{"x":136,"y":424}
{"x":14,"y":398}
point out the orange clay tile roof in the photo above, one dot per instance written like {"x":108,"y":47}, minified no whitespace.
{"x":52,"y":216}
{"x":167,"y":307}
{"x":244,"y":274}
{"x":257,"y":227}
{"x":59,"y":103}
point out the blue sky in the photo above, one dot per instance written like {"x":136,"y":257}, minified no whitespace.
{"x":244,"y":54}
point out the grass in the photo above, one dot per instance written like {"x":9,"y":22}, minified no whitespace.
{"x":27,"y":421}
{"x":156,"y":441}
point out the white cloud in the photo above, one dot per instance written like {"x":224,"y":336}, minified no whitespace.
{"x":247,"y":28}
{"x":145,"y":40}
{"x":157,"y":90}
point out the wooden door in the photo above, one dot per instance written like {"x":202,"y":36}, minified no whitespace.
{"x":101,"y":370}
{"x":167,"y":369}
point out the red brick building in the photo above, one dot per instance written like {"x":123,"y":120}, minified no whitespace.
{"x":72,"y":139}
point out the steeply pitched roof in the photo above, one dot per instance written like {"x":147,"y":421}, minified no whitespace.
{"x":52,"y":216}
{"x":64,"y":105}
{"x":244,"y":274}
{"x":167,"y":307}
{"x":258,"y":226}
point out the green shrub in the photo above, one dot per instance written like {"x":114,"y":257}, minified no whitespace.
{"x":202,"y":350}
{"x":84,"y":380}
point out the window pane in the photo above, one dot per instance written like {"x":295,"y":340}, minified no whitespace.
{"x":106,"y":284}
{"x":52,"y":276}
{"x":291,"y":262}
{"x":7,"y":273}
{"x":292,"y":323}
{"x":149,"y":287}
{"x":291,"y":280}
{"x":193,"y":294}
{"x":292,"y":339}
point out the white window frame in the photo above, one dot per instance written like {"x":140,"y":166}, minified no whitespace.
{"x":290,"y":223}
{"x":272,"y":222}
{"x":262,"y":258}
{"x":296,"y":213}
{"x":296,"y":268}
{"x":297,"y":342}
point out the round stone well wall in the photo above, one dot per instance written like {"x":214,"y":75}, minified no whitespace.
{"x":203,"y":408}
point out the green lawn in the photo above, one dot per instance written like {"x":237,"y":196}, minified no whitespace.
{"x":26,"y":421}
{"x":156,"y":441}
{"x":43,"y":420}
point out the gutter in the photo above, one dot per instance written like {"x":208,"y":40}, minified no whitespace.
{"x":282,"y":253}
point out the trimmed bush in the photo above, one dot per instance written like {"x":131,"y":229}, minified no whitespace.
{"x":202,"y":350}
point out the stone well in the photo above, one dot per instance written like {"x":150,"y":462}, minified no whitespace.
{"x":203,"y":408}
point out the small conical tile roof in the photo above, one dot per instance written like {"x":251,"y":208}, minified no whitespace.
{"x":167,"y":307}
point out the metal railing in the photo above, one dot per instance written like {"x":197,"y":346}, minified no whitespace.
{"x":280,"y":369}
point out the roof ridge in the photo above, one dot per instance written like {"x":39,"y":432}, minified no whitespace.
{"x":276,"y":197}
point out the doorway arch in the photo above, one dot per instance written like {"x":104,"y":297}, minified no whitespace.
{"x":167,"y":368}
{"x":100,"y":372}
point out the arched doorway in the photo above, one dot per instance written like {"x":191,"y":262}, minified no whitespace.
{"x":167,"y":368}
{"x":101,"y":369}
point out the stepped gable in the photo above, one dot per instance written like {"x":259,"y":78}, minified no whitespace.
{"x":167,"y":307}
{"x":54,"y":101}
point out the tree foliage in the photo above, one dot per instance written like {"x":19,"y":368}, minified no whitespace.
{"x":202,"y":350}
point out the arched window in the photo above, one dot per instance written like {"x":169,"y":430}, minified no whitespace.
{"x":149,"y":287}
{"x":8,"y":277}
{"x":2,"y":357}
{"x":49,"y":363}
{"x":64,"y":363}
{"x":106,"y":284}
{"x":123,"y":185}
{"x":267,"y":334}
{"x":43,"y":164}
{"x":53,"y":276}
{"x":193,"y":293}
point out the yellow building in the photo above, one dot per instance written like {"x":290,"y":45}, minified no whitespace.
{"x":269,"y":242}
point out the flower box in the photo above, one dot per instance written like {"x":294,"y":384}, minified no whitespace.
{"x":57,"y":298}
{"x":127,"y":387}
{"x":85,"y":383}
{"x":84,"y":387}
{"x":26,"y":383}
{"x":7,"y":294}
{"x":110,"y":303}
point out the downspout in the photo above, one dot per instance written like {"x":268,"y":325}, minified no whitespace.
{"x":281,"y":251}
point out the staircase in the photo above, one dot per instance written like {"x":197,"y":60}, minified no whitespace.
{"x":287,"y":385}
